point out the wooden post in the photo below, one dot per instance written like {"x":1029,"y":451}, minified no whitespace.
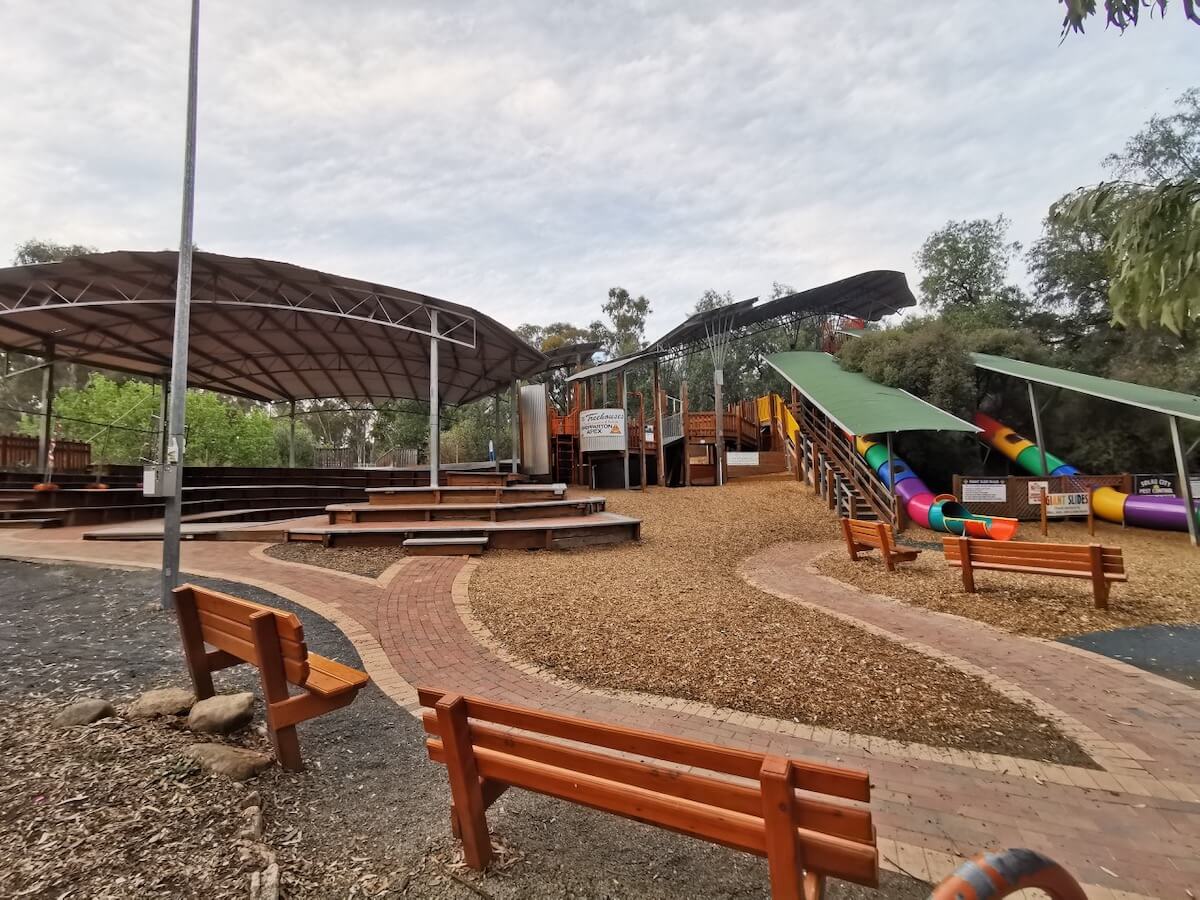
{"x":192,"y":636}
{"x":1045,"y":513}
{"x":642,"y":439}
{"x":968,"y":571}
{"x":275,"y":688}
{"x":465,"y":789}
{"x":624,"y":406}
{"x":1099,"y":585}
{"x":1185,"y":482}
{"x":784,"y":858}
{"x":687,"y":457}
{"x":660,"y":456}
{"x":1091,"y":513}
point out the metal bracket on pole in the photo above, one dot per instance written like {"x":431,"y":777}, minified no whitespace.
{"x":435,"y":422}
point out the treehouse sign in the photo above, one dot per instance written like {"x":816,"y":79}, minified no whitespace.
{"x":601,"y":429}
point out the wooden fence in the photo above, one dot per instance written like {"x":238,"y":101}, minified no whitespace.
{"x":19,"y":451}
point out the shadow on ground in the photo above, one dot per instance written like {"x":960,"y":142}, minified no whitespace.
{"x":1172,"y":651}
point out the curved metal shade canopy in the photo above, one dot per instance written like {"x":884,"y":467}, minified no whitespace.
{"x":260,"y":329}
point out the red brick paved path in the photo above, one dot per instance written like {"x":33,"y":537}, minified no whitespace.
{"x":1132,"y":827}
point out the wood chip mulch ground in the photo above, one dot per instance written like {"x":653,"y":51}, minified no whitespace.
{"x":671,"y":616}
{"x":113,"y":810}
{"x":1163,"y":586}
{"x":368,"y":561}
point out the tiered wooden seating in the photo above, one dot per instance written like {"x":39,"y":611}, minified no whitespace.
{"x":862,"y":536}
{"x":273,"y":641}
{"x":805,"y":839}
{"x":493,"y":512}
{"x":455,"y":478}
{"x":1103,"y":565}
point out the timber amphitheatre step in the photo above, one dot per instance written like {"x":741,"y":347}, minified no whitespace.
{"x":348,"y":513}
{"x":445,"y":546}
{"x":465,"y":493}
{"x":528,"y":534}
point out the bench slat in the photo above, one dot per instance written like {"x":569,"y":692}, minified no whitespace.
{"x":823,"y":853}
{"x":841,"y":821}
{"x":1040,"y":570}
{"x":847,"y":783}
{"x":240,"y":610}
{"x":210,"y":622}
{"x":295,"y":671}
{"x":1068,"y":556}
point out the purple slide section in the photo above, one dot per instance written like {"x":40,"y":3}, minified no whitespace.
{"x":1167,"y":513}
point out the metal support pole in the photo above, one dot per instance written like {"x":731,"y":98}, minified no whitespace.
{"x":291,"y":434}
{"x":44,"y":436}
{"x":719,"y":423}
{"x":891,"y":476}
{"x":173,"y":464}
{"x":621,"y":398}
{"x":1185,"y":483}
{"x":496,"y":428}
{"x":435,"y":422}
{"x":1037,"y":427}
{"x":687,"y":459}
{"x":515,"y":422}
{"x":660,"y":454}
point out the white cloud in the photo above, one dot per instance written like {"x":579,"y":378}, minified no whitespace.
{"x":525,"y":157}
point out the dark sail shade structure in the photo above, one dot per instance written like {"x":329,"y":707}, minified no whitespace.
{"x":259,"y":329}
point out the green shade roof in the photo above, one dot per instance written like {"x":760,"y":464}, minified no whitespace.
{"x":855,"y":402}
{"x":1171,"y":403}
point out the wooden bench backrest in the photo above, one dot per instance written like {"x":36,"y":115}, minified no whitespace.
{"x":1064,"y":557}
{"x":835,"y":839}
{"x":225,"y":624}
{"x":868,"y":533}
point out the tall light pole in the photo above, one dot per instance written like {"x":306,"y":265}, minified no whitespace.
{"x":173,"y":463}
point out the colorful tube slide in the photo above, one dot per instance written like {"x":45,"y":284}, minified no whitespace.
{"x":942,"y":512}
{"x":1165,"y":513}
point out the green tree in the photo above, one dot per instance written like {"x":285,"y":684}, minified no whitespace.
{"x":35,"y":250}
{"x":305,"y":442}
{"x":1153,"y":243}
{"x":1121,"y":13}
{"x":115,"y":417}
{"x":625,"y":331}
{"x":964,"y":273}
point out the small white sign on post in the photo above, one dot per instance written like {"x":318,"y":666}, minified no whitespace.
{"x":1035,"y":491}
{"x":1074,"y":503}
{"x":741,"y":458}
{"x":601,"y":429}
{"x":984,"y":490}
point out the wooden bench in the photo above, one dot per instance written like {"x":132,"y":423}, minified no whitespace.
{"x":1103,"y":565}
{"x":751,"y":804}
{"x":862,"y":536}
{"x":273,"y":641}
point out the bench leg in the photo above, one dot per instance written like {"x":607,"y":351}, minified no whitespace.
{"x":851,"y":547}
{"x":275,"y":690}
{"x":814,"y":886}
{"x":779,"y":819}
{"x":465,"y":788}
{"x":885,"y":547}
{"x":1100,"y":585}
{"x":194,"y":654}
{"x":968,"y":571}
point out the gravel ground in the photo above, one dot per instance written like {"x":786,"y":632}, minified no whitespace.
{"x":369,"y":561}
{"x":368,"y":818}
{"x":672,"y":616}
{"x":1163,"y":569}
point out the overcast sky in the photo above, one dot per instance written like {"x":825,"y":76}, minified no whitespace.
{"x":523,"y":157}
